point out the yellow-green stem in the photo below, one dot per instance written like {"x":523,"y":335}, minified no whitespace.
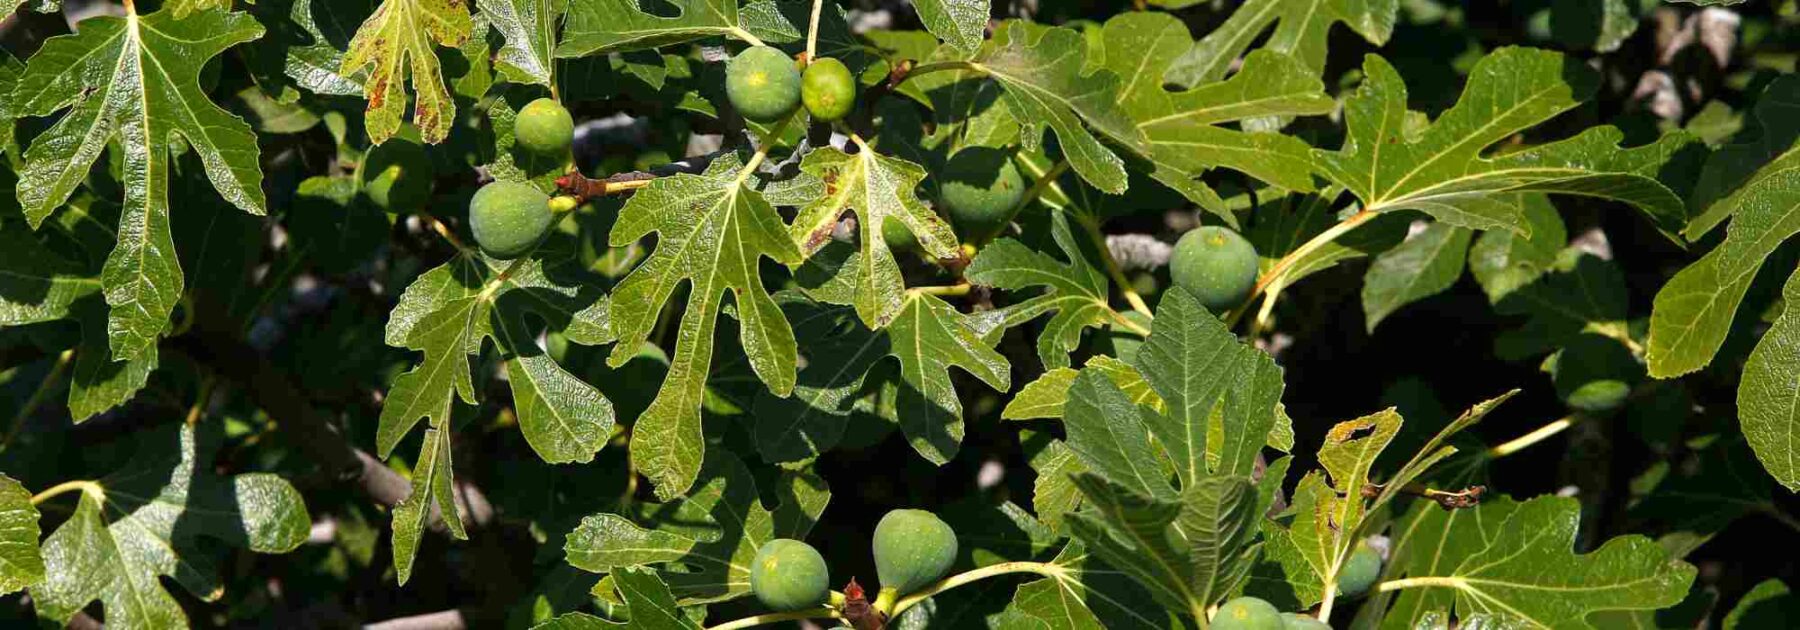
{"x":1420,"y":582}
{"x":768,"y":618}
{"x":939,"y":66}
{"x":943,"y":290}
{"x":1279,"y":272}
{"x":1091,"y":226}
{"x":1125,"y":322}
{"x":1044,"y":180}
{"x":88,"y":487}
{"x":445,"y":232}
{"x":1041,"y":568}
{"x":746,"y":36}
{"x":812,"y":31}
{"x":1536,"y":435}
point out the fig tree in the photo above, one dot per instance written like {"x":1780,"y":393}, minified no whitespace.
{"x":981,"y":190}
{"x":762,"y":84}
{"x":1248,"y":613}
{"x":912,"y":548}
{"x":827,"y":89}
{"x":789,"y":575}
{"x":544,"y":127}
{"x":1215,"y":265}
{"x":396,"y":175}
{"x":1360,"y":570}
{"x":509,"y":218}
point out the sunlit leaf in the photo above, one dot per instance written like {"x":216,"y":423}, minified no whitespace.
{"x":1190,"y":552}
{"x":1301,"y":29}
{"x":400,"y":40}
{"x":928,"y":337}
{"x":160,"y":506}
{"x":1693,"y":311}
{"x":878,"y":188}
{"x":1075,"y":291}
{"x":21,"y":564}
{"x":711,"y":231}
{"x":959,"y":23}
{"x":1528,"y":570}
{"x":433,"y":494}
{"x":529,"y":27}
{"x":1443,"y":172}
{"x":603,"y":26}
{"x":133,"y":82}
{"x":1768,"y":395}
{"x":1044,"y":83}
{"x":1044,"y":398}
{"x":712,"y":534}
{"x":1194,"y":364}
{"x":1185,"y":129}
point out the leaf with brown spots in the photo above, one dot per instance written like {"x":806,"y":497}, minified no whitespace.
{"x":397,"y":40}
{"x":877,"y":187}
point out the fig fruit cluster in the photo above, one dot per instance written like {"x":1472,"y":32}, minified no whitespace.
{"x":765,"y":85}
{"x":913,"y":548}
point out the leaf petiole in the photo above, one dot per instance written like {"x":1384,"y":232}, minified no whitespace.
{"x":768,"y":618}
{"x":1278,"y":272}
{"x":993,"y":570}
{"x":942,"y":291}
{"x":91,"y":488}
{"x":812,"y":32}
{"x":1536,"y":435}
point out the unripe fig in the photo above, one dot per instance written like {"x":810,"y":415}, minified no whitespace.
{"x":1248,"y":613}
{"x":1359,"y":571}
{"x":1215,"y":265}
{"x":981,"y":190}
{"x":1594,"y":373}
{"x":789,"y":575}
{"x":762,"y":84}
{"x":898,"y":238}
{"x":1297,"y":621}
{"x":912,"y":548}
{"x":509,"y":218}
{"x":396,"y":175}
{"x":827,"y":89}
{"x":544,"y":127}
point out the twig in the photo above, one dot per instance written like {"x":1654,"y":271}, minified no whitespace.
{"x":583,"y":188}
{"x":1462,"y":499}
{"x":299,"y":422}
